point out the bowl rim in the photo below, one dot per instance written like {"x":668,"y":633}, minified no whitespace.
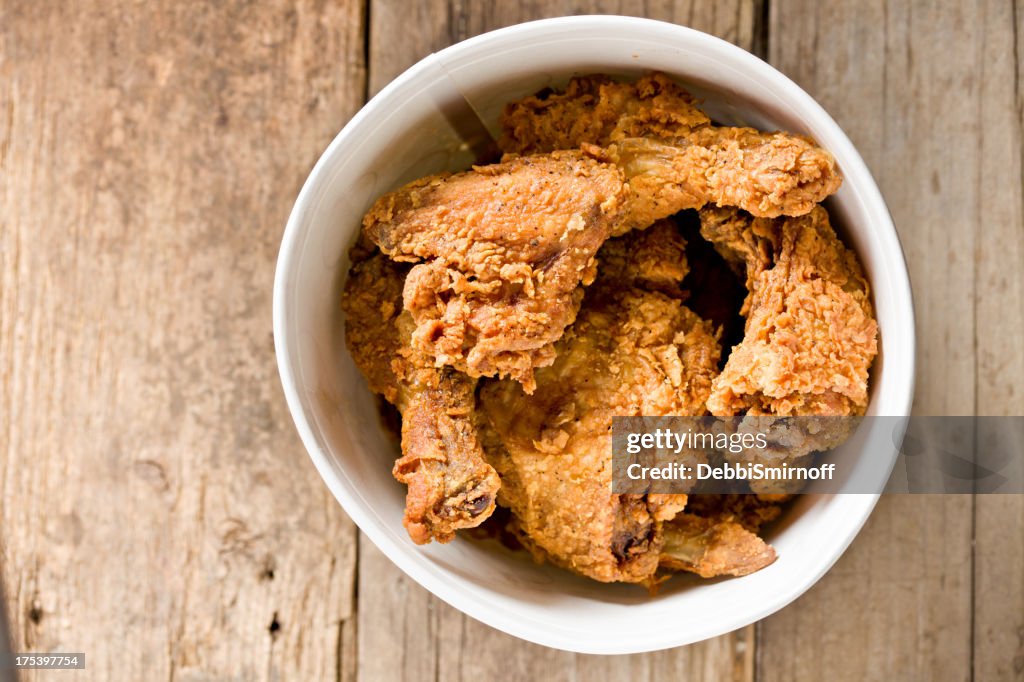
{"x":858,"y":507}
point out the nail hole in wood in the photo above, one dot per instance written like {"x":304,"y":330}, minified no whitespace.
{"x":268,"y":568}
{"x":275,"y":627}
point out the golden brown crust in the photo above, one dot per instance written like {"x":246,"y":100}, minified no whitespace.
{"x":450,"y":485}
{"x":372,"y":302}
{"x":506,"y":249}
{"x":631,"y":351}
{"x":503,"y":249}
{"x":672,"y":155}
{"x":653,"y":259}
{"x":599,"y":110}
{"x":717,"y":535}
{"x":712,"y":548}
{"x":766,"y":174}
{"x":810,"y":335}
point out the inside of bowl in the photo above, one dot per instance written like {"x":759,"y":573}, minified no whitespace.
{"x":354,"y":453}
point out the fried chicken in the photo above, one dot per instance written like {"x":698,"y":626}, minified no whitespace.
{"x":519,"y":273}
{"x":717,"y":535}
{"x":598,"y":110}
{"x":766,"y":174}
{"x":673,"y":155}
{"x":633,"y":350}
{"x":506,"y":247}
{"x":450,"y":485}
{"x":810,"y":335}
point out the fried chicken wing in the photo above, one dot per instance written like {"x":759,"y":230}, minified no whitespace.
{"x":767,"y":175}
{"x":450,"y":485}
{"x":506,"y":248}
{"x":810,"y":335}
{"x":673,"y":155}
{"x":633,"y":350}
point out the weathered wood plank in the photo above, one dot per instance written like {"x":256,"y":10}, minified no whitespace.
{"x":903,"y":80}
{"x":440,"y":23}
{"x":408,"y":634}
{"x":999,"y":519}
{"x":157,"y":510}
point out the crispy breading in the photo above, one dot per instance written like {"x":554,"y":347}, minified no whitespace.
{"x":717,"y":535}
{"x":767,"y":174}
{"x":674,"y":157}
{"x":599,"y":110}
{"x":450,"y":485}
{"x":631,"y":351}
{"x":810,"y":335}
{"x":506,"y":248}
{"x":712,"y":548}
{"x":654,"y":260}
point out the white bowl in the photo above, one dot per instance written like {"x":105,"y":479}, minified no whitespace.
{"x":412,"y":129}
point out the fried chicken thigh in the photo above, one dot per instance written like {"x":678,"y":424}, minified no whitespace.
{"x":810,"y":334}
{"x":633,"y":350}
{"x":450,"y":485}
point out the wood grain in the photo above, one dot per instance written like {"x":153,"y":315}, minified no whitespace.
{"x":999,"y":318}
{"x":157,"y":509}
{"x":409,"y":634}
{"x":906,"y":82}
{"x":441,"y":23}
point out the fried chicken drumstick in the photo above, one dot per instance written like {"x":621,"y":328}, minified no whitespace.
{"x":633,"y":350}
{"x":502,"y":250}
{"x":450,"y":485}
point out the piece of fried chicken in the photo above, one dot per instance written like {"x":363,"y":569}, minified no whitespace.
{"x":809,"y":340}
{"x":717,"y":535}
{"x":503,"y":249}
{"x":670,"y":149}
{"x":598,"y":110}
{"x":633,"y":350}
{"x":810,"y":335}
{"x":450,"y":485}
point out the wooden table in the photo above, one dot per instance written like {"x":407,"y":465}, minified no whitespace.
{"x":157,"y":510}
